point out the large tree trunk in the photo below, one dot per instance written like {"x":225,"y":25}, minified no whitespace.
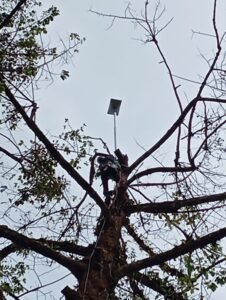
{"x":100,"y":278}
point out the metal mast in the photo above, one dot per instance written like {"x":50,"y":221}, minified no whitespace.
{"x":113,"y":109}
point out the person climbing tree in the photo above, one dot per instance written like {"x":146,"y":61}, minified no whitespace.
{"x":109,"y":168}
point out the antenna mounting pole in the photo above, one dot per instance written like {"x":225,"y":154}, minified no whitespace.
{"x":113,"y":109}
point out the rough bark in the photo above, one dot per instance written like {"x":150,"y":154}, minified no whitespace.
{"x":100,"y":278}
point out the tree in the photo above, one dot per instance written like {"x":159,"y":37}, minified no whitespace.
{"x":158,"y":234}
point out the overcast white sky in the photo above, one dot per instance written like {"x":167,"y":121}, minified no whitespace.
{"x":114,"y":63}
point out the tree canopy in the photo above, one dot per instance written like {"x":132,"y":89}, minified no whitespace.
{"x":155,"y":231}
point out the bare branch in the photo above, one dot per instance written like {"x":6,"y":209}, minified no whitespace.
{"x":165,"y":267}
{"x":174,"y":206}
{"x":6,"y":21}
{"x":66,"y":246}
{"x":159,"y":286}
{"x":165,"y":137}
{"x":14,"y":157}
{"x":7,"y":250}
{"x":160,"y":170}
{"x":155,"y":41}
{"x":175,"y":252}
{"x":217,"y":54}
{"x":24,"y":242}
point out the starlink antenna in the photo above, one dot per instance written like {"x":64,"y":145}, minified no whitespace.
{"x":113,"y":109}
